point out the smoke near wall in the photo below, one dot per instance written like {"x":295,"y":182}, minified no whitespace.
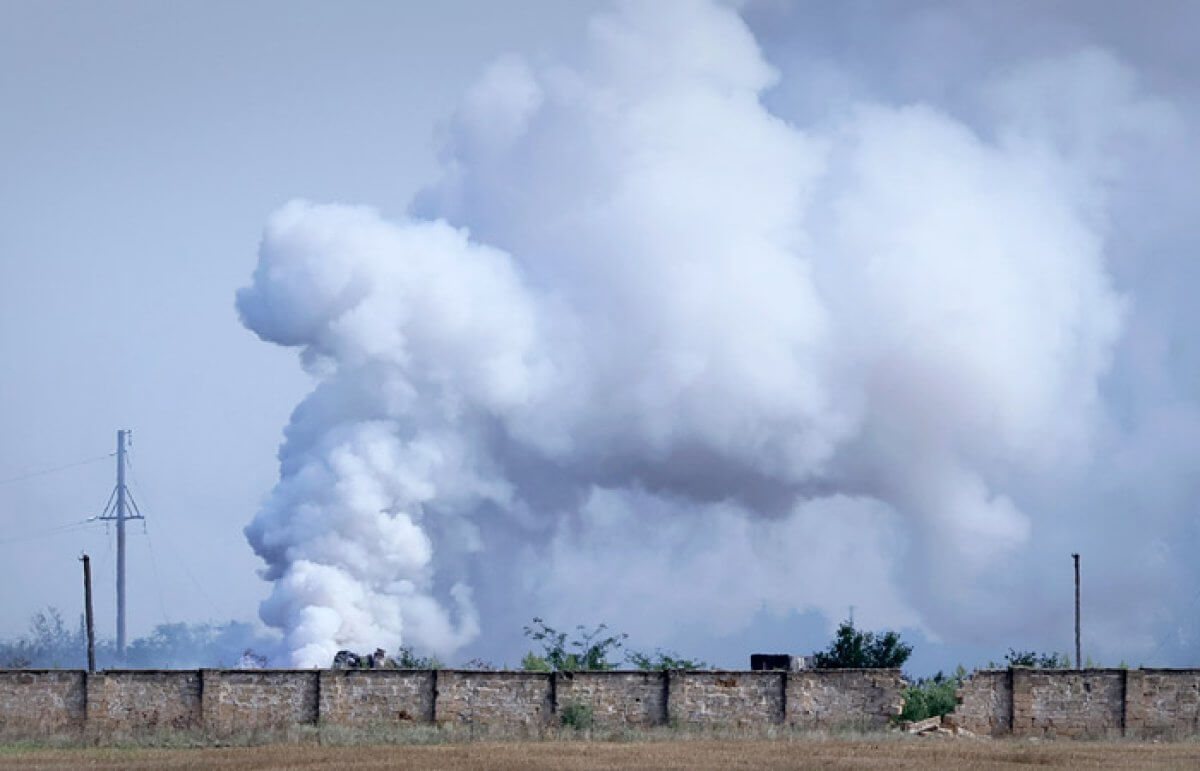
{"x":700,"y":320}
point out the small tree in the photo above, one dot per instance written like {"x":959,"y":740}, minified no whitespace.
{"x":592,"y":648}
{"x":405,"y":658}
{"x":661,"y":660}
{"x":852,"y":649}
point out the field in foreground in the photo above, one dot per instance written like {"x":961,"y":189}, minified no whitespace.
{"x":886,"y":752}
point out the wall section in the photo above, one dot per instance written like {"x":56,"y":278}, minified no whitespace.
{"x":985,"y":703}
{"x":41,"y":703}
{"x":1163,"y":703}
{"x":499,"y":699}
{"x":37,"y":704}
{"x":703,"y":699}
{"x":376,"y":697}
{"x":862,"y":699}
{"x":131,"y":703}
{"x":238,"y":701}
{"x":616,"y":699}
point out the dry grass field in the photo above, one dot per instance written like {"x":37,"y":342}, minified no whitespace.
{"x":885,"y":752}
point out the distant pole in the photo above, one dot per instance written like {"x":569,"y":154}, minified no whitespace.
{"x":121,"y":544}
{"x":1078,"y":656}
{"x":121,"y":513}
{"x":87,"y":609}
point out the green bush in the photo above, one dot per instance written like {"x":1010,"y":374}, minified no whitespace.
{"x":577,"y":716}
{"x":535,"y":663}
{"x":932,"y":696}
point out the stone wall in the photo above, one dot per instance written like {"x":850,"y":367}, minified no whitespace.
{"x":1163,"y":703}
{"x":141,"y":702}
{"x":1088,"y":703}
{"x":248,"y":700}
{"x":216,"y":703}
{"x":365,"y":697}
{"x":985,"y":703}
{"x":501,"y":699}
{"x":725,"y":698}
{"x":616,"y":699}
{"x":844,"y":698}
{"x":41,"y":703}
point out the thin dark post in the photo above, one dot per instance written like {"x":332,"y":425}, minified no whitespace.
{"x":87,"y":610}
{"x":1078,"y":657}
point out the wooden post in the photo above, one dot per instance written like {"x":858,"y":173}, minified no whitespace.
{"x":87,"y":609}
{"x":1078,"y":658}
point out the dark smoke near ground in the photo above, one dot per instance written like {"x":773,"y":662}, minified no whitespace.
{"x":787,"y":307}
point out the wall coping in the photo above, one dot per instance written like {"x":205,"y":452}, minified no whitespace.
{"x":479,"y":671}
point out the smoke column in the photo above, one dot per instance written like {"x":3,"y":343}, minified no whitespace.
{"x":647,"y":333}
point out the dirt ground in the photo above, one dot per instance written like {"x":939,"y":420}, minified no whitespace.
{"x":906,"y":752}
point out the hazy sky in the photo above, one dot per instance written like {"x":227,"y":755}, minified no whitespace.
{"x":142,"y":147}
{"x":145,"y":146}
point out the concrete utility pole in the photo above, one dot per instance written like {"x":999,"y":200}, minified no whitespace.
{"x":121,"y":514}
{"x":87,"y":609}
{"x":1078,"y":658}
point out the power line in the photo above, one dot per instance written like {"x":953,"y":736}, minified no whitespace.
{"x":1166,"y":638}
{"x":55,"y":469}
{"x":166,"y":538}
{"x":63,"y":529}
{"x":162,"y":606}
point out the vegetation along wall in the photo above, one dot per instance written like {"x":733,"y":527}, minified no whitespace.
{"x":38,"y":704}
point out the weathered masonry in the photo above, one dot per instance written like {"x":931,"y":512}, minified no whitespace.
{"x":1085,"y":703}
{"x":131,"y":703}
{"x":112,"y":705}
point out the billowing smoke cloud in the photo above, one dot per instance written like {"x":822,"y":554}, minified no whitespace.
{"x":649,"y":350}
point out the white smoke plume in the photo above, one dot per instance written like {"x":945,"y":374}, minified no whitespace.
{"x":647,"y":335}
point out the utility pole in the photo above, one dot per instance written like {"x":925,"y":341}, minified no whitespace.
{"x":1078,"y":658}
{"x":121,"y":514}
{"x":87,"y":608}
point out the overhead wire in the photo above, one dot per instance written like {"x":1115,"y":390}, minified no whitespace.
{"x":64,"y":467}
{"x":66,"y":527}
{"x":162,"y":605}
{"x":1167,"y":637}
{"x":178,"y":557}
